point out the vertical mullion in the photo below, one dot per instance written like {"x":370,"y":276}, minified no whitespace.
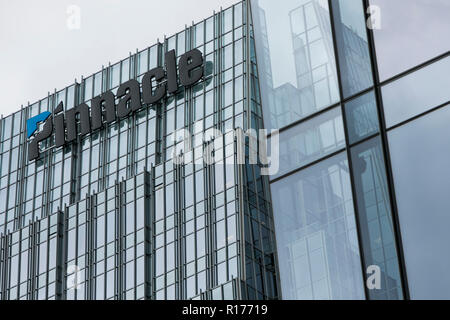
{"x":348,"y":151}
{"x":386,"y":157}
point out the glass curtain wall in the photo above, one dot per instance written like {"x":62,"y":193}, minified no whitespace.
{"x":415,"y":98}
{"x":331,"y":198}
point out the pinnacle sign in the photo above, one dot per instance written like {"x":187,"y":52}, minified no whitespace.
{"x":156,"y":84}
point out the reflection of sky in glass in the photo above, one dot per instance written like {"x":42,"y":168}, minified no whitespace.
{"x":420,"y":154}
{"x":417,"y":92}
{"x":412,"y":32}
{"x":280,"y":38}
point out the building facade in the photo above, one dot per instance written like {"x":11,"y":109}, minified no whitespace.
{"x":357,"y":207}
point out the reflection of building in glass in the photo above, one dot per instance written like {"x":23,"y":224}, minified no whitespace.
{"x":374,"y":210}
{"x":316,"y":85}
{"x":294,"y":92}
{"x":353,"y":54}
{"x":355,"y":58}
{"x":313,"y":55}
{"x":288,"y":103}
{"x":318,"y":250}
{"x":315,"y":65}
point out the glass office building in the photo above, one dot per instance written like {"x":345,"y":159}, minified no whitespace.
{"x":357,"y":209}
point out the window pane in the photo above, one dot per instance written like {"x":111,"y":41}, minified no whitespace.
{"x":353,"y":47}
{"x":420,"y":159}
{"x":417,"y":92}
{"x":375,"y":218}
{"x":316,"y":233}
{"x":411,"y":32}
{"x":362,"y":117}
{"x":88,"y":88}
{"x":311,"y":141}
{"x":295,"y":59}
{"x":199,"y":34}
{"x":143,"y":62}
{"x":115,"y":76}
{"x":125,"y":70}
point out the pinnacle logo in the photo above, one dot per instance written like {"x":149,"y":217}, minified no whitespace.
{"x":156,"y":84}
{"x":32,"y":124}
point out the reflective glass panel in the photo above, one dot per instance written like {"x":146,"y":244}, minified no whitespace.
{"x":362,"y":117}
{"x":352,"y":46}
{"x":310,"y":141}
{"x":318,"y":250}
{"x":375,"y":218}
{"x":409,"y":32}
{"x":420,"y":153}
{"x":417,"y":92}
{"x":296,"y":60}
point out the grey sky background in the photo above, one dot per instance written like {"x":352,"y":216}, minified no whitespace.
{"x":39,"y":53}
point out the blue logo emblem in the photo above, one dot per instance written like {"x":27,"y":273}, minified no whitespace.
{"x":32,"y":124}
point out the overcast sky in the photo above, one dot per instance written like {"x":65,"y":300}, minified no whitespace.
{"x":41,"y":48}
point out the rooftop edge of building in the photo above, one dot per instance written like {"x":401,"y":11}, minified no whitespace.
{"x":165,"y":37}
